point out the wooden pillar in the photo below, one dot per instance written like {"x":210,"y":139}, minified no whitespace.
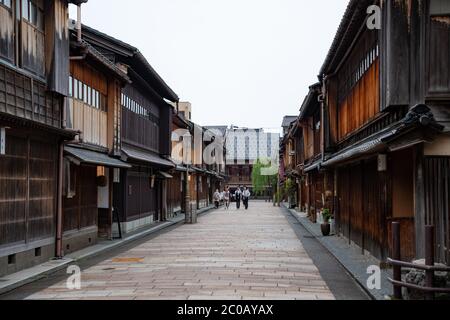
{"x":111,"y":205}
{"x":419,"y":219}
{"x":385,"y":197}
{"x":164,"y":200}
{"x":187,"y":199}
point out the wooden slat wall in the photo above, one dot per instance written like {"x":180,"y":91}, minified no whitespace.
{"x":28,"y":188}
{"x":357,"y":87}
{"x":309,"y":138}
{"x":362,"y":104}
{"x":92,"y":122}
{"x":360,"y":216}
{"x":439,"y":57}
{"x":437,"y":203}
{"x":175,"y":195}
{"x":141,"y":200}
{"x":81,"y":211}
{"x":365,"y":211}
{"x":14,"y":185}
{"x":138,"y":130}
{"x":315,"y":191}
{"x":89,"y":76}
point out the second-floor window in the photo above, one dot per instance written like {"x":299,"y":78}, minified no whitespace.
{"x":6,"y":3}
{"x":138,"y":109}
{"x":83,"y":92}
{"x":22,"y":35}
{"x":247,"y":148}
{"x":33,"y":14}
{"x":269,"y":145}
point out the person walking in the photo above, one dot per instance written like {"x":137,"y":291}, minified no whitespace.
{"x":226,"y":198}
{"x":246,"y":197}
{"x":217,"y":198}
{"x":238,"y":198}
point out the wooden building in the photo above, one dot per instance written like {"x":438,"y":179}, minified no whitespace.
{"x":181,"y":141}
{"x":34,"y":68}
{"x":142,"y":133}
{"x":289,"y":160}
{"x":94,"y":101}
{"x":375,"y":129}
{"x":195,"y":175}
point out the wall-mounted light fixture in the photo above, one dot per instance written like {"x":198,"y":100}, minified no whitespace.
{"x":382,"y":163}
{"x":152,"y":181}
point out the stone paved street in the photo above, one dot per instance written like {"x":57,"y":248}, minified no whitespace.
{"x":252,"y":254}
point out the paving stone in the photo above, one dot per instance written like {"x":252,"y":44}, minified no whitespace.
{"x":252,"y":254}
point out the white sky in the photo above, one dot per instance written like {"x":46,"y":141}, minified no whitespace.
{"x":241,"y":62}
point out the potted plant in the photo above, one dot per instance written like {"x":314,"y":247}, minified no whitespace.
{"x":326,"y":227}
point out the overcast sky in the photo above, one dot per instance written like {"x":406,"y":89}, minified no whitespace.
{"x":241,"y":62}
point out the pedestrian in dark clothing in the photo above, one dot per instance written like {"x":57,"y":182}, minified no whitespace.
{"x":238,"y":198}
{"x":246,"y":197}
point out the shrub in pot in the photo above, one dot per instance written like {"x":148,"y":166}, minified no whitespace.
{"x":326,"y":227}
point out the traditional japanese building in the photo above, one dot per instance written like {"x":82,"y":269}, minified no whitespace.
{"x":95,"y":84}
{"x":143,"y":135}
{"x":375,"y":129}
{"x":34,"y":73}
{"x":181,"y":141}
{"x":288,"y":161}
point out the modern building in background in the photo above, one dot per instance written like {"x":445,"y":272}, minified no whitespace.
{"x":245,"y":147}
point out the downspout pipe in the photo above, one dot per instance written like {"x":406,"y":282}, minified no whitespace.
{"x":78,"y":25}
{"x":59,"y":217}
{"x":322,"y":100}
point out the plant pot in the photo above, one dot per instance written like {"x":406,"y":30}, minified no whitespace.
{"x":326,"y":229}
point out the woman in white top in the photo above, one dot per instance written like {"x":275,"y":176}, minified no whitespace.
{"x":217,"y":198}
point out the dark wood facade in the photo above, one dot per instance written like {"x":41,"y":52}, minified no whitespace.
{"x":374,"y":147}
{"x":72,"y":110}
{"x":142,"y":134}
{"x":34,"y":60}
{"x":92,"y":110}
